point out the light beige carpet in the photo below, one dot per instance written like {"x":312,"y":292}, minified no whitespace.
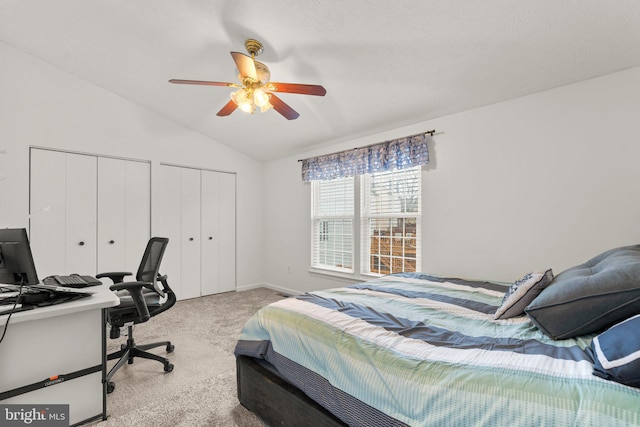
{"x":201,"y":390}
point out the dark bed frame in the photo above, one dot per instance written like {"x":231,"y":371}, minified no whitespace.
{"x":275,"y":401}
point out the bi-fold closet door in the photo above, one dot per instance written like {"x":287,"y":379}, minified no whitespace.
{"x":196,"y":211}
{"x":124,"y":213}
{"x":98,"y":217}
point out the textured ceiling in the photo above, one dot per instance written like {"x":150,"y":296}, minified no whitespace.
{"x":384,"y":64}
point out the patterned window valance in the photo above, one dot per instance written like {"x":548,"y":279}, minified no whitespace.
{"x":398,"y":153}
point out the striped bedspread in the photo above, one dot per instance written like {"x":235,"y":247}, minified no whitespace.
{"x":412,"y":349}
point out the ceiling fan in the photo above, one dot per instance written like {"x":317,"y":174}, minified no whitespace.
{"x":255,"y":90}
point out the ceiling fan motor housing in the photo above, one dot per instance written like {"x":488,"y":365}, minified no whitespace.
{"x":254,"y":47}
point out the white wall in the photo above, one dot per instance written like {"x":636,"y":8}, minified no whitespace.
{"x":45,"y":107}
{"x":546,"y":180}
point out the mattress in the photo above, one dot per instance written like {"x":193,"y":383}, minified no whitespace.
{"x":418,"y":350}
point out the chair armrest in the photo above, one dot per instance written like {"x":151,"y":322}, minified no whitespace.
{"x":116,"y":276}
{"x":135,"y":290}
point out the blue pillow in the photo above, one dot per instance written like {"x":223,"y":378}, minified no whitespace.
{"x":616,"y":353}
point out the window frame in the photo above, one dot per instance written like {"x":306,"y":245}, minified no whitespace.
{"x":400,"y":216}
{"x":320,"y":229}
{"x":360,"y":234}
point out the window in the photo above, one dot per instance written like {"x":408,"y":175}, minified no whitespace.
{"x":332,"y":224}
{"x":388,"y":232}
{"x":390,"y":221}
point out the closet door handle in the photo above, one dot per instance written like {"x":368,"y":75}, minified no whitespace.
{"x":191,"y":239}
{"x":210,"y":238}
{"x":111,"y":242}
{"x":81,"y":243}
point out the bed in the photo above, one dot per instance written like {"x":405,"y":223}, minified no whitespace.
{"x":420,"y":350}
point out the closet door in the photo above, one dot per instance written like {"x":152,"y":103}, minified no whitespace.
{"x":190,"y":233}
{"x":211,"y":256}
{"x":168,"y":223}
{"x":111,"y":215}
{"x":48,"y":228}
{"x":63,"y":238}
{"x":197,"y":213}
{"x":218,"y":232}
{"x":227,"y":232}
{"x":81,"y":218}
{"x":123,"y":213}
{"x":138,"y":212}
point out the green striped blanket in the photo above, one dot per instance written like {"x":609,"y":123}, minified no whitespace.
{"x":412,"y":349}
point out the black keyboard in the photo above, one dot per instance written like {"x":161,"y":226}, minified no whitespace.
{"x":76,"y":281}
{"x":70,"y":280}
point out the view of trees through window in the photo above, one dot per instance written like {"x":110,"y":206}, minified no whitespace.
{"x":392,"y":245}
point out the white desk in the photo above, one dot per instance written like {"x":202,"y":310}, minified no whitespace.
{"x":57,"y":340}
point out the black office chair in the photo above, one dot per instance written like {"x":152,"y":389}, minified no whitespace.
{"x":139,"y":301}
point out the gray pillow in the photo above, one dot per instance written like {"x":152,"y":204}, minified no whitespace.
{"x":590,"y":297}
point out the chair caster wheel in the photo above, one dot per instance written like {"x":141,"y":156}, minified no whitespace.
{"x":170,"y":348}
{"x":110,"y":387}
{"x":168,"y":367}
{"x":123,"y":346}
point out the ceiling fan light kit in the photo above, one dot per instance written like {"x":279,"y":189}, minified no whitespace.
{"x":256,"y":90}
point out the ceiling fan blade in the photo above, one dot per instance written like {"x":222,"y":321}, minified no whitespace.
{"x":245,"y":65}
{"x":202,"y":82}
{"x":281,"y":107}
{"x":227,"y":109}
{"x":298,"y":88}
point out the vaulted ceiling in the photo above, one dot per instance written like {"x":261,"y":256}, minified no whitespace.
{"x":385,"y":64}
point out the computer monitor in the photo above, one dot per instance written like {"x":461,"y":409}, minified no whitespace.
{"x":16,"y":260}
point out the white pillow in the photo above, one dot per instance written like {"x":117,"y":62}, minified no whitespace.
{"x":522,"y":292}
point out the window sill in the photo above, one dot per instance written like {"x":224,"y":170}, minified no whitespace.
{"x":344,"y":277}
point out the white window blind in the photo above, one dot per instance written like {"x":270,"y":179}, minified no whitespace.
{"x":390,"y":221}
{"x":332,"y":224}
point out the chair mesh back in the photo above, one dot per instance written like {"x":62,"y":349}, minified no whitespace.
{"x":150,"y":265}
